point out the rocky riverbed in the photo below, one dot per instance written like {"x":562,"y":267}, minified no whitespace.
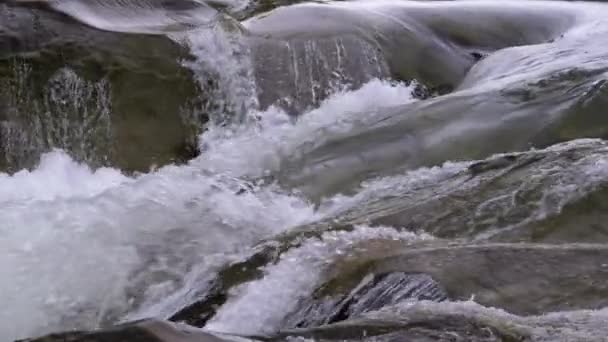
{"x":233,"y":170}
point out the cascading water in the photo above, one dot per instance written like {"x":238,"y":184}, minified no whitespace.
{"x":444,"y":158}
{"x":104,"y":227}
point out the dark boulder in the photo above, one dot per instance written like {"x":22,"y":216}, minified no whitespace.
{"x":102,"y":96}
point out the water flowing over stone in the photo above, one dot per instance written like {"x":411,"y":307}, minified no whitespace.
{"x":374,"y":292}
{"x":64,"y":85}
{"x":280,"y":170}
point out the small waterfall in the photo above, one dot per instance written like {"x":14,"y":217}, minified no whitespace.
{"x":222,"y":67}
{"x":310,"y":70}
{"x":71,"y":114}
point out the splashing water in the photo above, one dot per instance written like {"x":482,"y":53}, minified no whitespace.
{"x":69,"y":231}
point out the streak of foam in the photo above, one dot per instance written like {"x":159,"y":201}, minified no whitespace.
{"x":378,"y":188}
{"x":260,"y":306}
{"x":559,"y":187}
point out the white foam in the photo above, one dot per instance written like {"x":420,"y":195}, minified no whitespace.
{"x":57,"y":176}
{"x":85,"y":250}
{"x":258,"y":148}
{"x":222,"y":58}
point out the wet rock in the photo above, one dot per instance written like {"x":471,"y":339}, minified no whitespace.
{"x":452,"y":127}
{"x":342,"y":50}
{"x":477,"y":55}
{"x":102,"y":96}
{"x":257,"y":7}
{"x":513,"y":198}
{"x":492,"y":164}
{"x":298,"y":74}
{"x":418,"y":322}
{"x":317,"y":47}
{"x":144,"y":16}
{"x":201,"y":308}
{"x":554,"y":195}
{"x":494,"y":101}
{"x":524,"y":279}
{"x":142,"y":331}
{"x":460,"y":321}
{"x":374,"y":292}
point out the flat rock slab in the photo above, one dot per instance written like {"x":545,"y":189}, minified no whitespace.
{"x":524,"y":279}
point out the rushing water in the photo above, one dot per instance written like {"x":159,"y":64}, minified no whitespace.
{"x":449,"y":151}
